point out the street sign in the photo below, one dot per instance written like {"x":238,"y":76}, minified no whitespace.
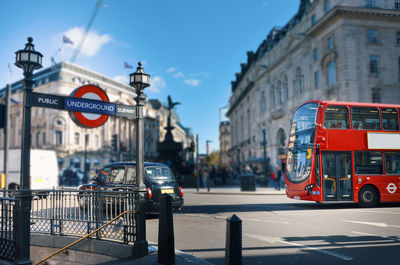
{"x":126,"y":111}
{"x":47,"y":101}
{"x":88,"y":106}
{"x":85,"y":102}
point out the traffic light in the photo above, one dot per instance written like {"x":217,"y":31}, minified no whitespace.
{"x":114,"y":143}
{"x":2,"y":115}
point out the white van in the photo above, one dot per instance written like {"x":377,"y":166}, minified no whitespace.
{"x":43,"y":171}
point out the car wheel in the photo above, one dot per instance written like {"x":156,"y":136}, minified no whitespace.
{"x":368,"y":196}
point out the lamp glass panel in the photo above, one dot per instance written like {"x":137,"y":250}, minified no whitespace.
{"x":145,"y":79}
{"x":138,"y":78}
{"x":34,"y":57}
{"x":24,"y":56}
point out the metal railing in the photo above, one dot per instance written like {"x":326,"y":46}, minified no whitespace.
{"x":7,"y":228}
{"x":77,"y":213}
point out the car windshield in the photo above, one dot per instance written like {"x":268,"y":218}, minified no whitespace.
{"x":159,"y":173}
{"x":116,"y":175}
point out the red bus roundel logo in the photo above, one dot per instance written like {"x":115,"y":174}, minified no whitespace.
{"x":86,"y":119}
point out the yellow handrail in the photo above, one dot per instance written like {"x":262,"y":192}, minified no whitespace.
{"x":88,"y":235}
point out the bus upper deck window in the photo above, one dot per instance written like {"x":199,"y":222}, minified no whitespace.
{"x":336,"y":117}
{"x":390,"y":119}
{"x":365,"y":118}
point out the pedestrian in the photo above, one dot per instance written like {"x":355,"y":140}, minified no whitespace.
{"x":278,"y":178}
{"x":273,"y":177}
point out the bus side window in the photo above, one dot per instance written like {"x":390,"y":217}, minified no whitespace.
{"x":336,"y":117}
{"x":390,"y":121}
{"x":364,"y":118}
{"x":368,"y":162}
{"x":392,"y":162}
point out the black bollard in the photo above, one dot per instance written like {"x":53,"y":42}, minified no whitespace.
{"x":233,"y":247}
{"x":166,"y":240}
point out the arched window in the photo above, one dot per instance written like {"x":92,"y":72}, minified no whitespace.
{"x":286,"y":88}
{"x":279,"y":93}
{"x":332,"y":73}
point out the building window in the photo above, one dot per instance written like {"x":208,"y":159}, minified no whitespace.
{"x":370,"y":3}
{"x":372,"y":36}
{"x":44,"y":138}
{"x":263,"y":103}
{"x":59,"y":138}
{"x":398,"y":62}
{"x":330,"y":43}
{"x":313,"y":19}
{"x":316,"y":79}
{"x":374,"y":64}
{"x":327,"y":5}
{"x":96,"y":140}
{"x":396,"y":4}
{"x":272,"y":96}
{"x":376,"y":95}
{"x":286,"y":88}
{"x":279,"y":93}
{"x":37,"y":139}
{"x":332,"y":74}
{"x":76,"y":138}
{"x":398,"y":38}
{"x":87,"y":142}
{"x":299,"y":81}
{"x":315,"y":54}
{"x":248,"y":124}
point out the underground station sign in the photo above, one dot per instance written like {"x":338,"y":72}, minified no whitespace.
{"x":88,"y":106}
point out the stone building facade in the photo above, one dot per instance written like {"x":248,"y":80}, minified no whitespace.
{"x":343,"y":50}
{"x":54,"y":129}
{"x":224,"y":143}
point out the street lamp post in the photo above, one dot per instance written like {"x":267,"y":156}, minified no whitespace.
{"x":29,"y":60}
{"x":264,"y":143}
{"x":140,"y":80}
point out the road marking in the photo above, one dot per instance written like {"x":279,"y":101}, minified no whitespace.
{"x":368,"y":234}
{"x":279,"y":240}
{"x":379,"y":212}
{"x":243,"y":219}
{"x":371,"y":223}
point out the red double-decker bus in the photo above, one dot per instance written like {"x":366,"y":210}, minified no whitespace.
{"x":344,"y":151}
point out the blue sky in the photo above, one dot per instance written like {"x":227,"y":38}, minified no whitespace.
{"x":191,"y":48}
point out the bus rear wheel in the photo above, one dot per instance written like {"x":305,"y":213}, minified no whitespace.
{"x":368,"y":196}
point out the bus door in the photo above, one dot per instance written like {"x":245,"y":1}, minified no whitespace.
{"x":337,"y":176}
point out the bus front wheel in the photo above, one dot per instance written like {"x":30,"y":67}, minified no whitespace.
{"x":368,"y":196}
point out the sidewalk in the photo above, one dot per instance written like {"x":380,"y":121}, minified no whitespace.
{"x":235,"y":190}
{"x":181,"y":258}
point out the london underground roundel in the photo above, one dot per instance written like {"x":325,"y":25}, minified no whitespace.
{"x":76,"y":101}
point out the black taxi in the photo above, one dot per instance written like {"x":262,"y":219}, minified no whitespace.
{"x":159,"y":179}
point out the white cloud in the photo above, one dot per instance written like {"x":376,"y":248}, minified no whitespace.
{"x":157,"y":83}
{"x":178,"y":74}
{"x":93,"y":41}
{"x":121,"y":78}
{"x":171,"y":69}
{"x":192,"y":82}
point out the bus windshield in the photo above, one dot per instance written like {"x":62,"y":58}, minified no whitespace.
{"x":301,"y":136}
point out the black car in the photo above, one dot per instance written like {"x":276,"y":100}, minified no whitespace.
{"x":121,"y":176}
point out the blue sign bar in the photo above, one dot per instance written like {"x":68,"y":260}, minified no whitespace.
{"x":90,"y":106}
